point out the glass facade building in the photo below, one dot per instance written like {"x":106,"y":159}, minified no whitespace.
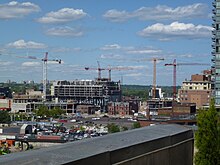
{"x":216,"y":51}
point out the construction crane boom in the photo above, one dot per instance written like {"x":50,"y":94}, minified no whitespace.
{"x":99,"y":69}
{"x":45,"y":60}
{"x":174,"y":64}
{"x":155,"y":59}
{"x":109,"y":70}
{"x":116,"y":68}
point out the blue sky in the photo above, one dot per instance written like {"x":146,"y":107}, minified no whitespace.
{"x":124,"y":34}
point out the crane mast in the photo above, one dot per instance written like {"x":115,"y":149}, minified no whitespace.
{"x":155,"y":76}
{"x":45,"y":60}
{"x":45,"y":76}
{"x":174,"y":64}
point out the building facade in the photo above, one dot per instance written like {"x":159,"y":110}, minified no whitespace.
{"x":216,"y":51}
{"x":197,"y":90}
{"x":98,"y":92}
{"x":119,"y":108}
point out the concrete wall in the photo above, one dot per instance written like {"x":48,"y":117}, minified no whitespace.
{"x":154,"y":145}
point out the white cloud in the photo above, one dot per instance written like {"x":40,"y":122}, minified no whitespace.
{"x":144,"y":51}
{"x":65,"y":32}
{"x":111,"y":47}
{"x":5,"y":63}
{"x":130,"y":50}
{"x":117,"y":16}
{"x":65,"y":49}
{"x":159,"y":13}
{"x":62,"y":16}
{"x":133,"y":75}
{"x":138,"y":67}
{"x":21,"y":44}
{"x":111,"y":56}
{"x":176,"y":30}
{"x":31,"y":64}
{"x":16,"y":10}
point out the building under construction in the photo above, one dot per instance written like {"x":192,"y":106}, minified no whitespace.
{"x":97,"y":92}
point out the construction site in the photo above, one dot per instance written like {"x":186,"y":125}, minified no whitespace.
{"x":95,"y":95}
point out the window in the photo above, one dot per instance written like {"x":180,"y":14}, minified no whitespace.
{"x":217,"y":93}
{"x":217,"y":56}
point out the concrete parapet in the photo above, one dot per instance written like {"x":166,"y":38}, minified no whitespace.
{"x":158,"y":144}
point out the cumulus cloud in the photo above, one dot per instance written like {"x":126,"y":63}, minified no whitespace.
{"x":176,"y":30}
{"x":160,"y":12}
{"x":31,"y":64}
{"x":21,"y":44}
{"x":117,"y":16}
{"x":17,"y":10}
{"x":65,"y":32}
{"x":111,"y":47}
{"x":62,"y":16}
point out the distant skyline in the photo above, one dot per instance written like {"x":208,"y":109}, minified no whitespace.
{"x":123,"y":33}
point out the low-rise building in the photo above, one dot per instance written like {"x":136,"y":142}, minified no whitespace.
{"x":119,"y":108}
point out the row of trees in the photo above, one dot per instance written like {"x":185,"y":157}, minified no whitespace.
{"x":113,"y":128}
{"x":44,"y":112}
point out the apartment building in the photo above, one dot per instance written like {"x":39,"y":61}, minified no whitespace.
{"x":216,"y":51}
{"x":197,"y":90}
{"x":119,"y":108}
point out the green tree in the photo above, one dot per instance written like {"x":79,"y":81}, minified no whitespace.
{"x":124,"y":128}
{"x":56,"y":112}
{"x":136,"y":125}
{"x":207,"y":137}
{"x":42,"y":111}
{"x":113,"y":128}
{"x":5,"y":117}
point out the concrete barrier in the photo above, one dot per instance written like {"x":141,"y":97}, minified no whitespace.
{"x":154,"y":145}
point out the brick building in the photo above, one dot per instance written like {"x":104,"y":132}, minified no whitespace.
{"x":118,"y":108}
{"x":197,"y":90}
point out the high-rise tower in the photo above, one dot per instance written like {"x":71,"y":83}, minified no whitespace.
{"x":216,"y":51}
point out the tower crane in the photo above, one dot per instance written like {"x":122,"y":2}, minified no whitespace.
{"x":119,"y":68}
{"x":109,"y":70}
{"x":99,"y":69}
{"x":45,"y":60}
{"x":155,"y":59}
{"x":174,"y":64}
